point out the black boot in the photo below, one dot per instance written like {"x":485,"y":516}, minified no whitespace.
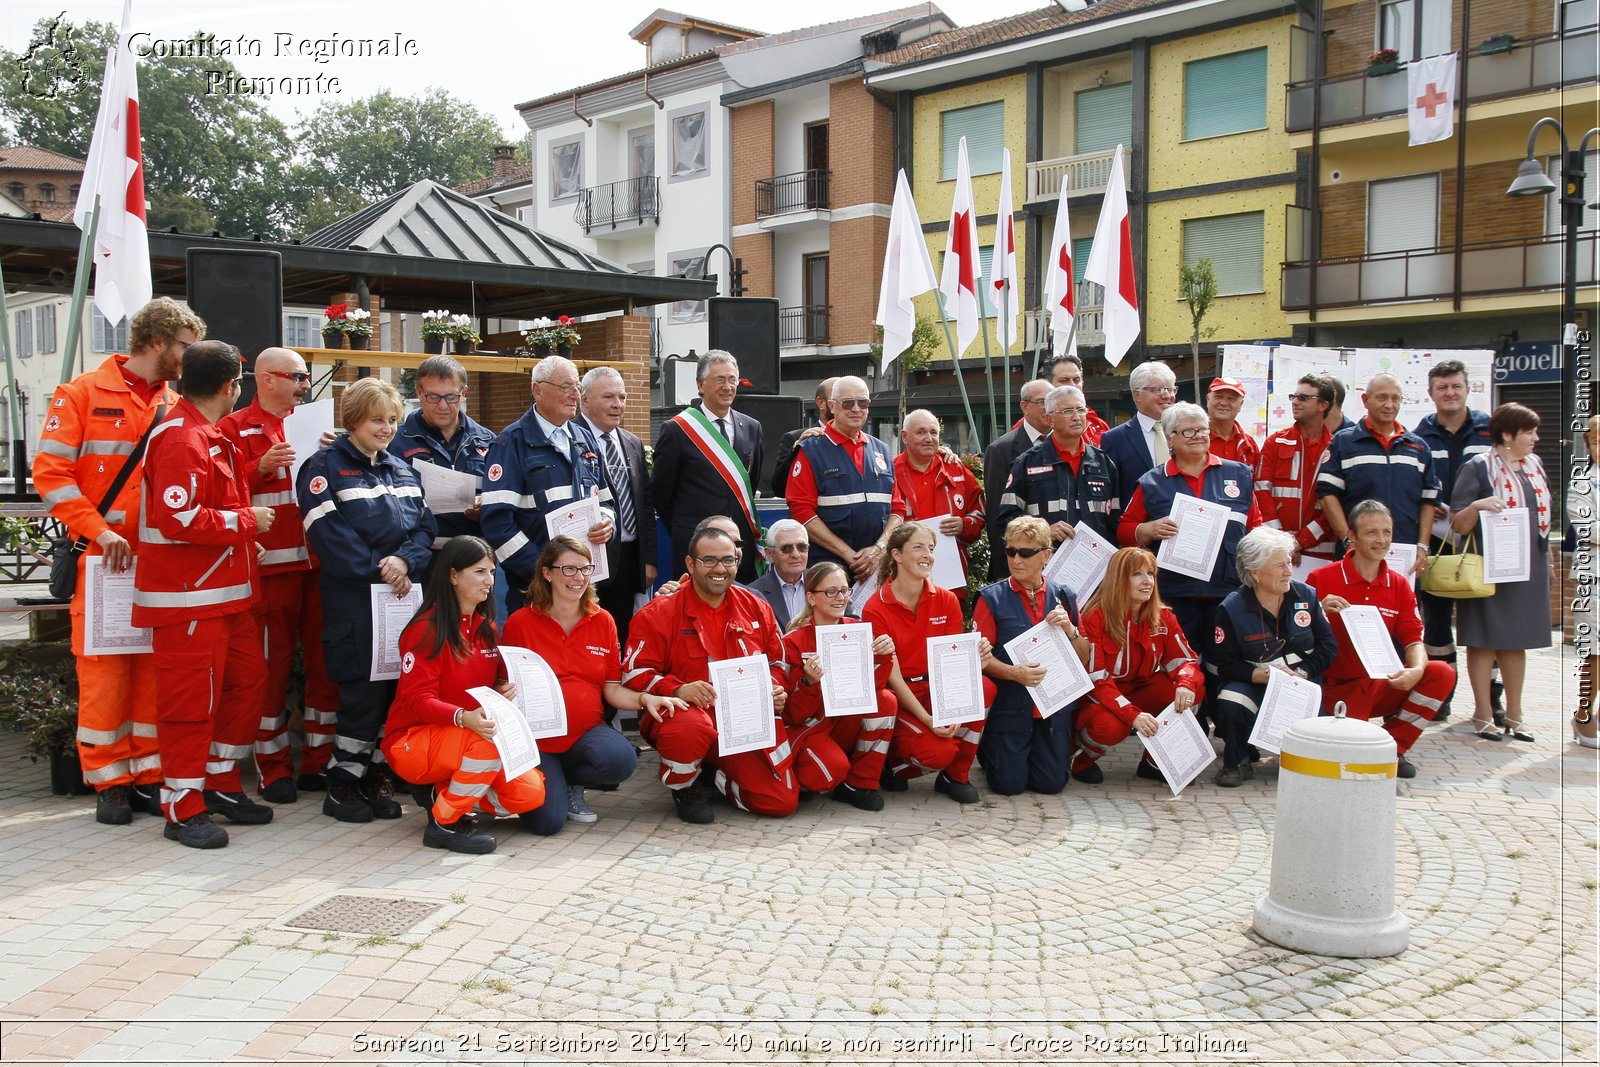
{"x":378,"y":791}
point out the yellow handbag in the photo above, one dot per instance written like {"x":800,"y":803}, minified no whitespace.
{"x":1457,"y":575}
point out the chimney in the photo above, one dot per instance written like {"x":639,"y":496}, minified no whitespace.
{"x":505,"y":159}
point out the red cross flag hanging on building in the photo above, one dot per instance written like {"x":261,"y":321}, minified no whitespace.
{"x":1431,"y":98}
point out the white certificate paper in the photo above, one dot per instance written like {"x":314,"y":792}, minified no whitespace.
{"x":1505,"y":546}
{"x":390,"y":614}
{"x":1402,"y":559}
{"x":519,"y":753}
{"x":947,"y":572}
{"x":574,"y":519}
{"x":538,"y":691}
{"x":108,"y":628}
{"x":1193,"y":549}
{"x":446,"y":490}
{"x":846,"y":653}
{"x":1289,"y":699}
{"x":745,"y":720}
{"x":304,"y":428}
{"x":1080,"y":562}
{"x":1363,"y":625}
{"x":1065,"y":680}
{"x":955,"y":680}
{"x":861,"y":592}
{"x":1180,"y":748}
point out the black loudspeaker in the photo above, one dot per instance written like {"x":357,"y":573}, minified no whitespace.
{"x":747,"y":326}
{"x":777,"y":415}
{"x":239,"y":294}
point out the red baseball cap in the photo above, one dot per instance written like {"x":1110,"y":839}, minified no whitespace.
{"x":1234,"y":384}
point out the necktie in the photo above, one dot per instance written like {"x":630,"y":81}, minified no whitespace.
{"x":1159,"y":446}
{"x":619,"y":486}
{"x":722,"y":428}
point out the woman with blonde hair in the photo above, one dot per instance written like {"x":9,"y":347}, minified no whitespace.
{"x":910,"y":609}
{"x":1139,"y":662}
{"x":842,"y":755}
{"x":563,"y":622}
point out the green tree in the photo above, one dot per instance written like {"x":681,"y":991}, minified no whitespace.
{"x":212,"y":160}
{"x":361,"y":151}
{"x":1198,"y":287}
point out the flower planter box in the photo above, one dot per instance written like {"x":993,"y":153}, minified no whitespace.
{"x":1377,"y":70}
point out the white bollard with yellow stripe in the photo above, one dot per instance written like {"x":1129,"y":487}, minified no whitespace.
{"x":1332,"y":889}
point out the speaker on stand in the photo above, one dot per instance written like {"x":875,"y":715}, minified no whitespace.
{"x":747,"y":326}
{"x":239,"y":294}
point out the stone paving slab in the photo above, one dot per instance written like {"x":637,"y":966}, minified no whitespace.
{"x":1110,"y":924}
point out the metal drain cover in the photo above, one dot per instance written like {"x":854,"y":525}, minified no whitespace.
{"x":369,"y":915}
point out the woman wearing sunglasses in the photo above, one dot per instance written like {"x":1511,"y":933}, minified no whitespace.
{"x":1139,"y":663}
{"x":564,"y":623}
{"x":1021,"y":749}
{"x":842,"y":755}
{"x":910,"y":609}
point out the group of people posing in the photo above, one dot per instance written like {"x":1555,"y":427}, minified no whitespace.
{"x":238,"y":563}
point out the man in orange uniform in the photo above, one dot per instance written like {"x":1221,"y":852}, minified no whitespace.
{"x":94,"y":426}
{"x":196,"y":589}
{"x":927,"y":485}
{"x":289,"y":606}
{"x":1286,"y":470}
{"x":671,"y":645}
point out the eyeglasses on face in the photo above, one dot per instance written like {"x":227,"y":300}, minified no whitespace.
{"x":1071,"y":413}
{"x":725,"y":379}
{"x":441,"y":399}
{"x":1304,"y":396}
{"x":1160,"y":390}
{"x":851,"y":402}
{"x":833,"y":594}
{"x":711,"y":563}
{"x":298,"y":377}
{"x":800,"y":548}
{"x":1192,"y":433}
{"x":1023,"y":553}
{"x":572,"y":570}
{"x":567,"y":389}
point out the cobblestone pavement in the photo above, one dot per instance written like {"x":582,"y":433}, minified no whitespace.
{"x":1111,"y":924}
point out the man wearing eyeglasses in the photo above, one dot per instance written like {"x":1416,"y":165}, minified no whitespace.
{"x":783,"y":586}
{"x":841,"y":485}
{"x":290,"y":606}
{"x":1286,"y":471}
{"x":1137,"y":445}
{"x":1068,"y":370}
{"x":441,"y":432}
{"x":928,"y":485}
{"x":631,"y":555}
{"x":1063,"y":479}
{"x":540,"y":462}
{"x":1001,"y":453}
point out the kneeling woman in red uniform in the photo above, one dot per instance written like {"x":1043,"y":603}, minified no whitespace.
{"x":843,"y":754}
{"x":436,"y":734}
{"x":564,"y":623}
{"x":1139,"y":663}
{"x":910,"y":609}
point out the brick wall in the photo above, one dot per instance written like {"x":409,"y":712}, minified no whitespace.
{"x":855,"y":268}
{"x":751,"y":157}
{"x":755,"y":251}
{"x":1491,"y":215}
{"x":622,"y":341}
{"x":1353,"y":28}
{"x":860,"y":146}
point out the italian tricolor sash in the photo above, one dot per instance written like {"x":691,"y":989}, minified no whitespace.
{"x":693,"y":422}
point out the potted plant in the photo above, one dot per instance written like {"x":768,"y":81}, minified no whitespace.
{"x":437,"y":328}
{"x":38,"y":698}
{"x":1498,"y":44}
{"x":466,"y":337}
{"x":1383,"y":61}
{"x":335,"y":317}
{"x":558,"y":334}
{"x":358,"y":328}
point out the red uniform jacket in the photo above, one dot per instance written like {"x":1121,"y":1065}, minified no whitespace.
{"x":1241,"y":447}
{"x":945,"y":488}
{"x":253,"y":430}
{"x":1144,"y":653}
{"x":1286,"y":487}
{"x":584,"y":661}
{"x":804,"y":707}
{"x":672,"y":641}
{"x":196,"y":530}
{"x":432,"y":687}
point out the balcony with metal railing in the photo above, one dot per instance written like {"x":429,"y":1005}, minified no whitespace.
{"x":619,"y":207}
{"x":1530,"y":65}
{"x":793,"y":195}
{"x":1086,"y":173}
{"x":1487,"y":269}
{"x":1091,"y":319}
{"x":802,"y":326}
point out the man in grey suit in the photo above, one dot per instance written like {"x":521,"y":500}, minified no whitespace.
{"x":998,"y":458}
{"x":631,"y":554}
{"x":783,"y":586}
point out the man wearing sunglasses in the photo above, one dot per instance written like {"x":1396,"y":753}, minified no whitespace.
{"x":783,"y":586}
{"x":1286,"y":471}
{"x":289,"y":608}
{"x":841,"y":485}
{"x":441,"y":432}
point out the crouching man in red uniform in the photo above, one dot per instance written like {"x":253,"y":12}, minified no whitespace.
{"x":671,"y":644}
{"x":195,"y":586}
{"x":1411,"y":696}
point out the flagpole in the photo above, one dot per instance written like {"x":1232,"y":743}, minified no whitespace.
{"x":80,"y":289}
{"x":955,"y":361}
{"x":1005,"y":358}
{"x":988,"y":372}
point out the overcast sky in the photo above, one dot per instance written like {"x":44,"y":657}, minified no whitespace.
{"x":493,"y":53}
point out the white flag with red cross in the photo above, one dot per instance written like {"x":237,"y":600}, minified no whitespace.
{"x":1431,"y":98}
